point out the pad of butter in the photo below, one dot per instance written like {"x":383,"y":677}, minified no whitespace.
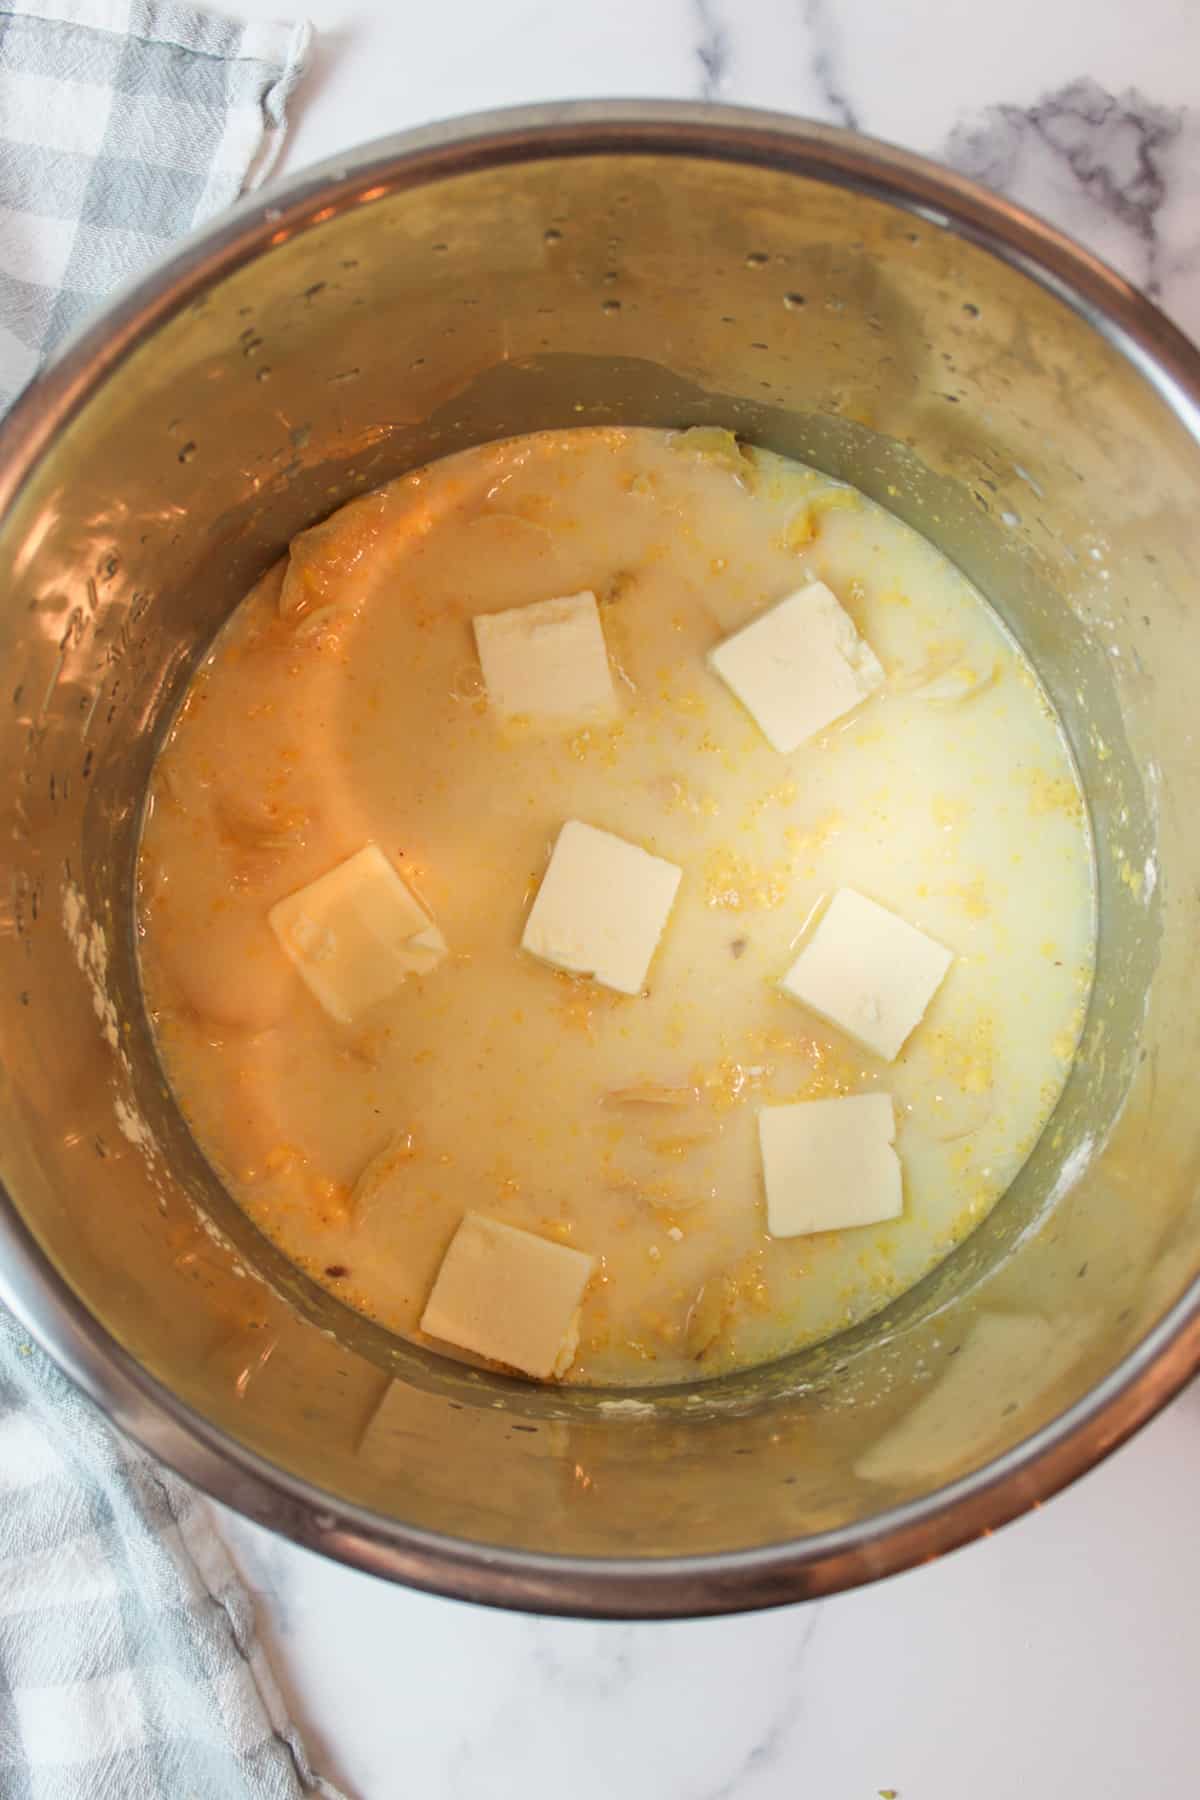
{"x":356,"y":934}
{"x":868,"y":972}
{"x":798,"y":666}
{"x":601,"y":908}
{"x":510,"y":1296}
{"x":547,"y":660}
{"x":829,"y":1165}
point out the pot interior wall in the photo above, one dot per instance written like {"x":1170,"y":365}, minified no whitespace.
{"x":416,"y":316}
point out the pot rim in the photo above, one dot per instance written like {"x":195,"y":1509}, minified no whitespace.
{"x":42,"y":1299}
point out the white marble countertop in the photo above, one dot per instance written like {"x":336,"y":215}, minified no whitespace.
{"x":1059,"y":1658}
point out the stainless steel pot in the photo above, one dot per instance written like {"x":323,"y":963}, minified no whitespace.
{"x":664,"y":265}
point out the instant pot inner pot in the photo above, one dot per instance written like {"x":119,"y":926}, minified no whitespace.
{"x":405,"y":318}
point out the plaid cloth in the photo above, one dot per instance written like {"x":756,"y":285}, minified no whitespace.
{"x":129,"y":1664}
{"x":123,"y":123}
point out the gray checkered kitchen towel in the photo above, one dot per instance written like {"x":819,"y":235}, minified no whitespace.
{"x":123,"y":123}
{"x":129,"y":1664}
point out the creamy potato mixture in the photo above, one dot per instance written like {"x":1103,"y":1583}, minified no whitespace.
{"x":497,"y":966}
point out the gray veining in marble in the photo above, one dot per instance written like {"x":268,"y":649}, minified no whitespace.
{"x":820,"y":20}
{"x":712,"y":49}
{"x":1110,"y":146}
{"x":769,"y":1750}
{"x":1110,"y":169}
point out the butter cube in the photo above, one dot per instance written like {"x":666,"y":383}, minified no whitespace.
{"x":356,"y":934}
{"x":868,"y":972}
{"x":798,"y":666}
{"x":830,"y":1165}
{"x":601,"y":908}
{"x":546,"y":661}
{"x":510,"y":1296}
